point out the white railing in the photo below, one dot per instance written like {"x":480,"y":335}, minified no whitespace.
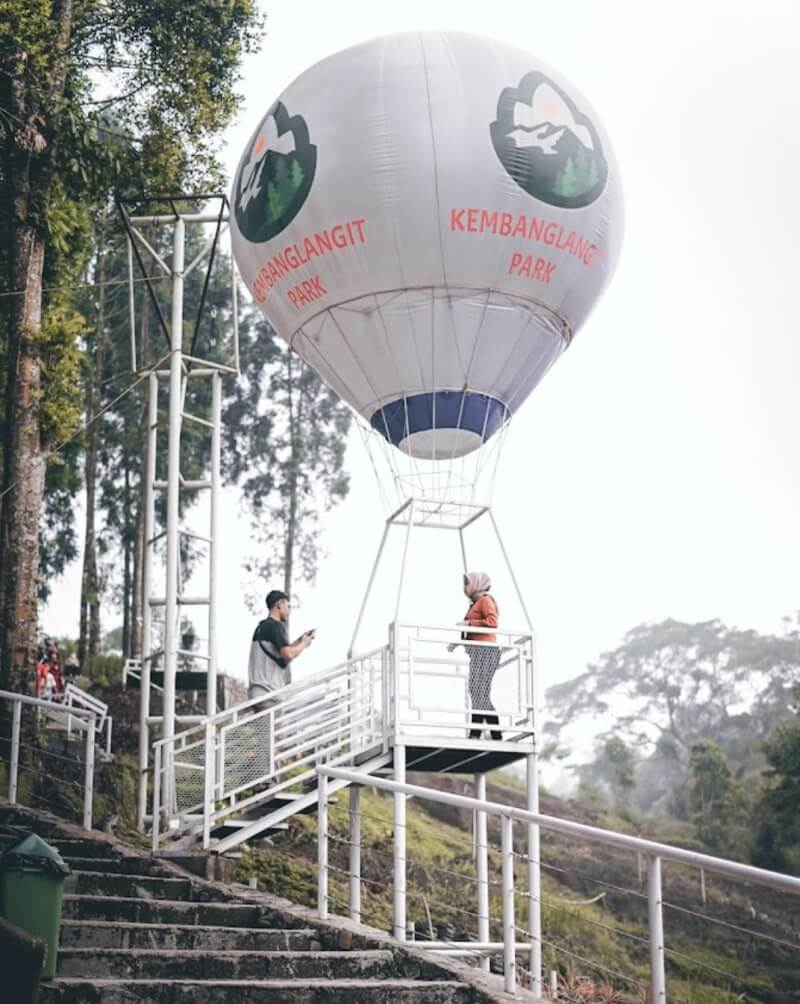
{"x":432,"y":668}
{"x":416,"y":689}
{"x":655,"y":854}
{"x":261,"y":750}
{"x":133,"y":668}
{"x":83,"y":720}
{"x":75,"y":697}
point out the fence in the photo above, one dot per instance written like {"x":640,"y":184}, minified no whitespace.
{"x":257,"y":752}
{"x":60,"y":767}
{"x":443,"y":683}
{"x":654,"y":853}
{"x":75,"y":697}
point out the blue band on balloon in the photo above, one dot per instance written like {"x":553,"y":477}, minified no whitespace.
{"x":445,"y":409}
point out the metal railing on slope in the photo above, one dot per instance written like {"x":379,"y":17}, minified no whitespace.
{"x":258,"y":752}
{"x":654,"y":853}
{"x":75,"y":697}
{"x":80,"y":719}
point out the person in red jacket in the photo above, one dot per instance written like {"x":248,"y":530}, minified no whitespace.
{"x":484,"y":658}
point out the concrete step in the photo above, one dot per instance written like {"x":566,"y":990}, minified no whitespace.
{"x":96,"y":883}
{"x":160,"y":911}
{"x":83,"y":848}
{"x":186,"y":937}
{"x":112,"y":866}
{"x":151,"y":964}
{"x":78,"y":991}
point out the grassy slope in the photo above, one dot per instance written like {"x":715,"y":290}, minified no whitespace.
{"x":608,"y":932}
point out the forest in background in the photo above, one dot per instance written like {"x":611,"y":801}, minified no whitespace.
{"x":97,"y":104}
{"x":697,"y":731}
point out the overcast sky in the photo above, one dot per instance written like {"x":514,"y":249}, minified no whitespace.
{"x":654,"y":471}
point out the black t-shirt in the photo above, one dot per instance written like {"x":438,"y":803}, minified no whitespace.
{"x":273,"y":632}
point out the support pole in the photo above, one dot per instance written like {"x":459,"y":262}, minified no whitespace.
{"x":147,"y":588}
{"x":364,"y":602}
{"x":482,"y":867}
{"x":658,"y":981}
{"x":213,"y":557}
{"x":355,"y":853}
{"x":88,"y":781}
{"x":463,"y":551}
{"x":322,"y":847}
{"x":173,"y":511}
{"x":399,"y":885}
{"x":411,"y":514}
{"x":509,"y":925}
{"x":534,"y":877}
{"x":511,"y":571}
{"x":13,"y":770}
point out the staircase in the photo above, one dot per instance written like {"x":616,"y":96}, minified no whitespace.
{"x":137,"y":928}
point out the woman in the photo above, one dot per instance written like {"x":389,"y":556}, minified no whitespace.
{"x":483,"y":660}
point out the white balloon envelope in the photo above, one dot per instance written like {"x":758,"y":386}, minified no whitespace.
{"x":428,"y":219}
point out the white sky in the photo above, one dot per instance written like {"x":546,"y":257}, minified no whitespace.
{"x":654,"y":471}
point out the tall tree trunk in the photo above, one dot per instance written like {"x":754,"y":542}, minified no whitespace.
{"x":89,"y":636}
{"x":27,"y":167}
{"x":24,"y":469}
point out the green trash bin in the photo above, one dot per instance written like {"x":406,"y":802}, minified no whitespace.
{"x":32,"y":877}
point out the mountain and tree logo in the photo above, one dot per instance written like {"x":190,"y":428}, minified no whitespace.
{"x":547,"y":145}
{"x":276,"y":176}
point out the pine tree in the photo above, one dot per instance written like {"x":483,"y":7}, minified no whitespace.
{"x":566,"y":183}
{"x":297,"y":175}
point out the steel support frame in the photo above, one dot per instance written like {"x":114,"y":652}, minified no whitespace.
{"x":175,"y":376}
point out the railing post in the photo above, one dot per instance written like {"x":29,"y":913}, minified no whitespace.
{"x":355,"y":853}
{"x":108,"y":735}
{"x":13,"y":772}
{"x":322,"y":846}
{"x":399,"y":884}
{"x":482,"y":868}
{"x":534,"y":878}
{"x":208,"y":783}
{"x":658,"y":982}
{"x":156,"y":797}
{"x":509,"y":925}
{"x":88,"y":791}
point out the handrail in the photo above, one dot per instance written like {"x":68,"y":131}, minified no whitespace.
{"x":50,"y":705}
{"x":18,"y":700}
{"x":655,"y":852}
{"x":304,"y":685}
{"x":734,"y":869}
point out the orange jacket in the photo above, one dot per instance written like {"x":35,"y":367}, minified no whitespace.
{"x":482,"y":613}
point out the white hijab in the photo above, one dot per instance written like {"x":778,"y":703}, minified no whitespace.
{"x":477,"y":584}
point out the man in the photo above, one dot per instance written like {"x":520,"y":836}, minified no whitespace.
{"x":270,"y":650}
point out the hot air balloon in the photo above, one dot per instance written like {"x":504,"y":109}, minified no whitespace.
{"x":428,"y":219}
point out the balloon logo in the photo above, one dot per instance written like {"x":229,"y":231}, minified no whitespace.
{"x":276,"y":175}
{"x":551,"y":150}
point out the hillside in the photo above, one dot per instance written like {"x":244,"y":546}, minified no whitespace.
{"x":599,"y":948}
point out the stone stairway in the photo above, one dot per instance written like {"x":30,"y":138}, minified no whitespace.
{"x":137,"y":928}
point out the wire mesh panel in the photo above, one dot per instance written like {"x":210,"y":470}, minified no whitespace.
{"x":189,"y":767}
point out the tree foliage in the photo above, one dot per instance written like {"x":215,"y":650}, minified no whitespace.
{"x":672,"y":684}
{"x":94,"y":97}
{"x":716,"y":801}
{"x":285,"y":435}
{"x":778,"y":812}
